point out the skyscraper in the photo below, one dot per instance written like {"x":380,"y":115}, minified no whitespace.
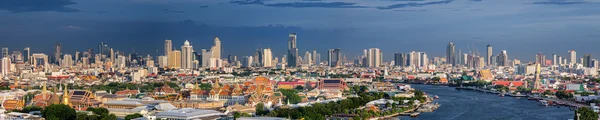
{"x":540,"y":58}
{"x":267,"y":58}
{"x":216,"y":48}
{"x":4,"y":52}
{"x":174,"y":59}
{"x":503,"y":58}
{"x":334,"y":57}
{"x":554,"y":62}
{"x":399,"y":59}
{"x":587,"y":60}
{"x":168,"y":47}
{"x":373,"y":57}
{"x":57,"y":53}
{"x":307,"y":60}
{"x":67,"y":60}
{"x":26,"y":55}
{"x":573,"y":55}
{"x":314,"y":57}
{"x":450,"y":55}
{"x":489,"y":55}
{"x":4,"y":66}
{"x":187,"y":55}
{"x":292,"y":51}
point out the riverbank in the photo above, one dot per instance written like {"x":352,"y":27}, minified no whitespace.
{"x":472,"y":105}
{"x":530,"y":97}
{"x":410,"y":112}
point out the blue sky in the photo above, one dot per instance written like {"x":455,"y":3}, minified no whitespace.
{"x":522,"y":27}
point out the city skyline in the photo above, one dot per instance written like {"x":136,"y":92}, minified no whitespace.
{"x":392,"y":26}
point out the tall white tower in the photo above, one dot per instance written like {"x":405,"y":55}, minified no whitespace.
{"x":573,"y":55}
{"x":216,"y":48}
{"x":187,"y":55}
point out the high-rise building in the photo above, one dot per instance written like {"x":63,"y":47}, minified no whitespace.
{"x":247,"y":61}
{"x":168,"y":47}
{"x":5,"y":66}
{"x":174,"y":59}
{"x":489,"y":55}
{"x":162,"y":61}
{"x":334,"y":57}
{"x":503,"y":58}
{"x":26,"y":55}
{"x":292,"y":51}
{"x":424,"y":60}
{"x":308,"y":59}
{"x":540,"y":58}
{"x":373,"y":57}
{"x":67,"y":60}
{"x":450,"y":55}
{"x":560,"y":61}
{"x":267,"y":58}
{"x":587,"y":60}
{"x":187,"y":56}
{"x":554,"y":60}
{"x":206,"y":55}
{"x":399,"y":59}
{"x":216,"y":48}
{"x":573,"y":55}
{"x":57,"y":53}
{"x":314,"y":57}
{"x":4,"y":52}
{"x":112,"y":55}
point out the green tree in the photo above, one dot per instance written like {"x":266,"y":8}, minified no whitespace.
{"x":585,"y":114}
{"x":299,"y":88}
{"x":133,"y":116}
{"x":260,"y":109}
{"x":563,"y":95}
{"x":98,"y":111}
{"x":109,"y":117}
{"x":291,"y":96}
{"x":59,"y":112}
{"x":82,"y":116}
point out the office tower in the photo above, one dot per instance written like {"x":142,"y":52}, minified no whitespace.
{"x":540,"y":58}
{"x":460,"y":60}
{"x":308,"y":59}
{"x":373,"y":57}
{"x":57,"y":53}
{"x":587,"y":60}
{"x":168,"y":47}
{"x":465,"y":58}
{"x":230,"y":59}
{"x":67,"y":61}
{"x":5,"y":66}
{"x":186,"y":55}
{"x":4,"y":52}
{"x":573,"y":55}
{"x":292,"y":55}
{"x":112,"y":55}
{"x":450,"y":55}
{"x":206,"y":55}
{"x":399,"y":59}
{"x":247,"y":61}
{"x":216,"y":48}
{"x":334,"y":57}
{"x":554,"y":60}
{"x":503,"y":58}
{"x":267,"y":58}
{"x":560,"y":60}
{"x":162,"y":61}
{"x":580,"y":61}
{"x":77,"y":57}
{"x":424,"y":60}
{"x":314,"y":57}
{"x":174,"y":59}
{"x":494,"y":60}
{"x":121,"y":61}
{"x":489,"y":54}
{"x":26,"y":55}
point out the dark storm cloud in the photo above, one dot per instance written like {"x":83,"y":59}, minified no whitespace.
{"x":17,"y":6}
{"x":559,"y":2}
{"x":404,"y":5}
{"x":300,"y":4}
{"x":173,"y":11}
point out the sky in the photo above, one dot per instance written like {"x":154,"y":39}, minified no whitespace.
{"x":521,"y":27}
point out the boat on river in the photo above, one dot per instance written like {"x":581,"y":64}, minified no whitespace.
{"x":544,"y":103}
{"x":436,"y":97}
{"x":517,"y":95}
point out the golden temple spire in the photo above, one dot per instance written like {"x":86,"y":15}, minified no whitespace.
{"x":66,"y":96}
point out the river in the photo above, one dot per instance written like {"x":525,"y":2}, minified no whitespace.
{"x":474,"y":105}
